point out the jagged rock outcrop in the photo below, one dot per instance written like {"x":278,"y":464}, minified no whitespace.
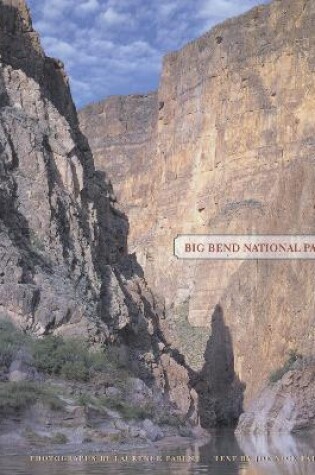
{"x":284,"y":406}
{"x":231,"y":150}
{"x":64,"y":265}
{"x":51,"y":239}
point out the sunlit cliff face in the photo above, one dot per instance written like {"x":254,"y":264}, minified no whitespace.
{"x":224,"y":147}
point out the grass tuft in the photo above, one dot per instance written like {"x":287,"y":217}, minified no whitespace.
{"x":276,"y":375}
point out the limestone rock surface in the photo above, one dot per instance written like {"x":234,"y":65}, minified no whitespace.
{"x":226,"y":145}
{"x":285,"y":406}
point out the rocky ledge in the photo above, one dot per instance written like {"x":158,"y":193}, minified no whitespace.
{"x":286,"y":405}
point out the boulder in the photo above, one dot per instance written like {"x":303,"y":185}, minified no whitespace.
{"x":152,"y":431}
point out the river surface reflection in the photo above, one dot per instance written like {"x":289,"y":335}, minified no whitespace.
{"x":247,"y":455}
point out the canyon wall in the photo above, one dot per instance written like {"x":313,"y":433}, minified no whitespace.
{"x":64,"y":262}
{"x":227,"y":146}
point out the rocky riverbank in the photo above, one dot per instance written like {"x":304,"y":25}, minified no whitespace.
{"x":286,"y":404}
{"x":56,"y":391}
{"x":84,"y":423}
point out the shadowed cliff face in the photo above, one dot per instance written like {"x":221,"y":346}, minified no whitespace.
{"x":228,"y":147}
{"x":20,"y":47}
{"x":220,"y":390}
{"x":64,"y":266}
{"x":50,"y":192}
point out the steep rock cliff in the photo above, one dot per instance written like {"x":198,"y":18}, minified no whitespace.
{"x":64,"y":266}
{"x":231,"y":151}
{"x":49,"y":224}
{"x":284,"y":406}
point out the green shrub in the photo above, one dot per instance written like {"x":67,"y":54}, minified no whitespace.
{"x":84,"y":399}
{"x":24,"y":394}
{"x":293,"y":356}
{"x":45,"y":353}
{"x":51,"y":399}
{"x":115,"y":438}
{"x":71,"y":359}
{"x":166,"y":418}
{"x":98,"y":361}
{"x":53,"y":355}
{"x":59,"y":438}
{"x":11,"y":340}
{"x":56,"y":356}
{"x":36,"y":439}
{"x":75,"y":370}
{"x":18,"y":395}
{"x":128,"y":411}
{"x":276,"y":375}
{"x":135,"y":412}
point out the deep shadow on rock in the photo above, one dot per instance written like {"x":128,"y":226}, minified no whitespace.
{"x":219,"y":391}
{"x":219,"y":388}
{"x":57,"y":213}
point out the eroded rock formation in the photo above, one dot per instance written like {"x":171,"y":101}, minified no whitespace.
{"x":284,"y":406}
{"x":226,"y":145}
{"x":64,"y":265}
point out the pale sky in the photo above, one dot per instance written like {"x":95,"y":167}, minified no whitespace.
{"x":114,"y":47}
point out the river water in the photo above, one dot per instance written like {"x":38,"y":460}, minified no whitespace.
{"x":224,"y":454}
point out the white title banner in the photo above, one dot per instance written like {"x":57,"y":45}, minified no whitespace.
{"x":196,"y":246}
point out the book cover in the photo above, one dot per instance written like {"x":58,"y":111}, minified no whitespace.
{"x":157,"y":237}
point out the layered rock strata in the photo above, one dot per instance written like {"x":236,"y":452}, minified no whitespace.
{"x":226,"y":145}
